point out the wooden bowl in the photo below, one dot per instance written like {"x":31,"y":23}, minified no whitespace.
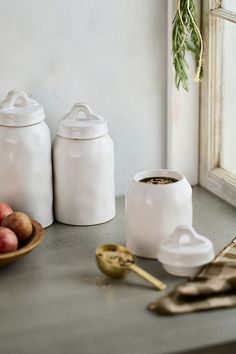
{"x":34,"y":240}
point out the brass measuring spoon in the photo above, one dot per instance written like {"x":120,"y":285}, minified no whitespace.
{"x":116,"y":266}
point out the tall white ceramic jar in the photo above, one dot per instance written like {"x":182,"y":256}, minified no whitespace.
{"x":83,"y":156}
{"x":153,"y":211}
{"x":25,"y":159}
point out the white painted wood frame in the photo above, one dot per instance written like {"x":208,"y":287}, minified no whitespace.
{"x":212,"y":177}
{"x":182,"y":115}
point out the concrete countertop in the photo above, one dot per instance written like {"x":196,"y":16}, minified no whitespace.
{"x":55,"y":300}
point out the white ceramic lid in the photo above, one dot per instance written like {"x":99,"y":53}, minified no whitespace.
{"x":81,"y":123}
{"x":185,"y":248}
{"x":19,"y":110}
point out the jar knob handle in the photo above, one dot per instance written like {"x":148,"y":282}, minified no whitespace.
{"x":16,"y":98}
{"x":188,"y":234}
{"x":82,"y":112}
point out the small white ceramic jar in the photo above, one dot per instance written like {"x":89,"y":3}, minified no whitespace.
{"x":153,"y":211}
{"x":25,"y":159}
{"x":83,"y":156}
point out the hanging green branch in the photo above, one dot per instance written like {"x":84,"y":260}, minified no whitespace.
{"x":186,"y":37}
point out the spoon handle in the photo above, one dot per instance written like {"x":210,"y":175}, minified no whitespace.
{"x":145,"y":275}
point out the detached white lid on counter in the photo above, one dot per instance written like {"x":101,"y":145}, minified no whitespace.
{"x":184,"y":252}
{"x":81,"y":123}
{"x":19,"y":110}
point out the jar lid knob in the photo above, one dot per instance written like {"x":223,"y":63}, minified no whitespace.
{"x":81,"y":123}
{"x":20,"y":110}
{"x":16,"y":98}
{"x":80,"y":111}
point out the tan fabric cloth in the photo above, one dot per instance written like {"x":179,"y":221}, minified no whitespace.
{"x":214,"y":287}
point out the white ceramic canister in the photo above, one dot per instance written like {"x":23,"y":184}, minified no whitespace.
{"x":83,"y":156}
{"x":153,"y":211}
{"x":25,"y":159}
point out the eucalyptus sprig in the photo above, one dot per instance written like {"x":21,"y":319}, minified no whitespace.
{"x":186,"y":37}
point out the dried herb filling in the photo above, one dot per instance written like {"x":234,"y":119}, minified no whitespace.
{"x":158,"y":180}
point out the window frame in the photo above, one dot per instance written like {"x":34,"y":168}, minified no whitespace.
{"x":212,"y":176}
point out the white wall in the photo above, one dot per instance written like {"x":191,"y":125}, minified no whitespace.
{"x":110,"y":54}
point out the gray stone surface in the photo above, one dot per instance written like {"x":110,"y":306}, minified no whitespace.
{"x":51,"y":301}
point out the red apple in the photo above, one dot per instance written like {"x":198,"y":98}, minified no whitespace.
{"x":20,"y":224}
{"x":4,"y":211}
{"x":8,"y":240}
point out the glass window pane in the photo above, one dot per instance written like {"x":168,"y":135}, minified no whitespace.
{"x":228,"y":104}
{"x":229,"y":5}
